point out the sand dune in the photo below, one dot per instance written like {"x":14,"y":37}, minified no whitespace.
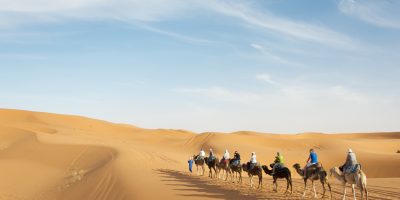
{"x":51,"y":156}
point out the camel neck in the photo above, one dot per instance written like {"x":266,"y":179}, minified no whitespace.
{"x":300,"y":172}
{"x":338,"y":175}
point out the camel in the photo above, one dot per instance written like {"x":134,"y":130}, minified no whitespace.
{"x":199,"y":163}
{"x":212,"y":166}
{"x":236,"y":169}
{"x":256,"y":171}
{"x":312,"y":175}
{"x":224,"y":166}
{"x":356,"y":178}
{"x":280,"y":173}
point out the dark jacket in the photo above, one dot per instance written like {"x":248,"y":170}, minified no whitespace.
{"x":236,"y":156}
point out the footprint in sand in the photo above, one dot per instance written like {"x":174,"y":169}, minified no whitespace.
{"x":74,"y":175}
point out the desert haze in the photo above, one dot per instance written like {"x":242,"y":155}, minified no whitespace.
{"x":53,"y":156}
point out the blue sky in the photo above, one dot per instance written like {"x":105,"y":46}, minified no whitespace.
{"x":273,"y":66}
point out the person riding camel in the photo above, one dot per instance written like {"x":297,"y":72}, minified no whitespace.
{"x":201,"y":155}
{"x":351,"y":162}
{"x":278,"y":163}
{"x":211,"y":156}
{"x":225,"y":157}
{"x":253,"y":161}
{"x":236,"y":159}
{"x":312,"y":160}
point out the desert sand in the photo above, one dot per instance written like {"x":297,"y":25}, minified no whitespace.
{"x":52,"y":156}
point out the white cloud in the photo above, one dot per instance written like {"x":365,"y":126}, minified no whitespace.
{"x":182,"y":37}
{"x":14,"y":12}
{"x":381,"y":13}
{"x":272,"y":55}
{"x":28,"y":11}
{"x":221,"y":94}
{"x":291,"y":108}
{"x":283,"y":26}
{"x":266,"y":78}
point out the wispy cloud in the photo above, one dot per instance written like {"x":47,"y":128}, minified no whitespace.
{"x":220,"y":94}
{"x":283,"y":26}
{"x":26,"y":11}
{"x":267,"y":78}
{"x":178,"y":36}
{"x":271,"y":55}
{"x":381,"y":13}
{"x":22,"y":56}
{"x":29,"y":11}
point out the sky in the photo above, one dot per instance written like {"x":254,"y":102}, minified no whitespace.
{"x":277,"y":66}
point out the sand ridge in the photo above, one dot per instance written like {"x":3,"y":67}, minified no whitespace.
{"x":52,"y":156}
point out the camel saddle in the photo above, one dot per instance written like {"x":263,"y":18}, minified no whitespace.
{"x":317,"y":165}
{"x":224,"y":161}
{"x":313,"y":168}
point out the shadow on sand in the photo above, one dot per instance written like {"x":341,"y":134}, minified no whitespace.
{"x":191,"y":186}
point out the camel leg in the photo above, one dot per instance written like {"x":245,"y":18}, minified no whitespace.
{"x":275,"y":186}
{"x":323,"y":188}
{"x":305,"y":187}
{"x":354,"y":191}
{"x":259,"y":182}
{"x":287,"y":185}
{"x":344,"y":191}
{"x":330,"y":189}
{"x":240,"y":178}
{"x":291,"y":186}
{"x":251,"y":181}
{"x":226,"y":175}
{"x":313,"y":187}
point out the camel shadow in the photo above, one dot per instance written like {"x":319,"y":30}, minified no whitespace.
{"x":192,"y":186}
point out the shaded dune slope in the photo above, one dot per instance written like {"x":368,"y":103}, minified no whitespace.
{"x":52,"y":156}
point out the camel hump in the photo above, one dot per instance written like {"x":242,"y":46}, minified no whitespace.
{"x":319,"y":165}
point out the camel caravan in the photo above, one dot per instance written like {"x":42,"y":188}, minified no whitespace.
{"x":232,"y":168}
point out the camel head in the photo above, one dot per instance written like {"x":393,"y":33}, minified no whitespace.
{"x":266,"y":170}
{"x":272,"y":165}
{"x":297,"y":166}
{"x":335,"y":170}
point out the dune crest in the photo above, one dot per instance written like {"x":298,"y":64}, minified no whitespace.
{"x":52,"y":156}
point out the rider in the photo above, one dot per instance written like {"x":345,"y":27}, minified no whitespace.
{"x":253,"y":160}
{"x":211,"y":156}
{"x":278,"y":163}
{"x":202,"y":154}
{"x":351,"y":162}
{"x":312,"y":159}
{"x":226,"y":156}
{"x":236,"y":159}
